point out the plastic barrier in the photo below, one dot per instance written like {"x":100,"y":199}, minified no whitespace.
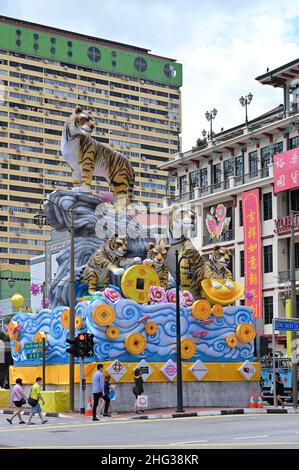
{"x":56,"y":401}
{"x":4,"y":397}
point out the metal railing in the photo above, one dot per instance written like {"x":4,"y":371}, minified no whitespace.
{"x":226,"y":237}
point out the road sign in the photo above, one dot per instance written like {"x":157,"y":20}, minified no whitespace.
{"x":290,"y":324}
{"x":34,"y":345}
{"x":35,"y":355}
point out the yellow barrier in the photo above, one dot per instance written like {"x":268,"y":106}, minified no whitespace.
{"x":56,"y":401}
{"x":4,"y":397}
{"x":59,"y":374}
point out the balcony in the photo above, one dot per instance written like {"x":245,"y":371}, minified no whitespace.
{"x":284,"y":276}
{"x":226,"y":237}
{"x":184,"y":197}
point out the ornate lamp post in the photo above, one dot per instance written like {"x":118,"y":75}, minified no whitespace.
{"x":210,"y":115}
{"x":11,"y":280}
{"x":40,"y":220}
{"x":245,"y":101}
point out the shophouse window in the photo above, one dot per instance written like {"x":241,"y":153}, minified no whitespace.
{"x":268,"y":259}
{"x":183,"y":184}
{"x":193,"y":182}
{"x":265,"y":160}
{"x":253,"y":164}
{"x":203,"y":178}
{"x":228,"y":171}
{"x":216,"y":174}
{"x":268,"y":310}
{"x":278,"y":148}
{"x":241,"y":263}
{"x":239,"y":169}
{"x":267,"y":206}
{"x":294,"y":142}
{"x":295,"y":200}
{"x":240,"y":214}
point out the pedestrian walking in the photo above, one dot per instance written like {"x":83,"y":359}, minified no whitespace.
{"x":98,"y":391}
{"x":33,"y":401}
{"x":109,"y":390}
{"x":279,"y":389}
{"x":138,"y":389}
{"x":19,"y":399}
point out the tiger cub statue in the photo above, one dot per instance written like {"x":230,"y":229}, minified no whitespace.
{"x":217,"y":267}
{"x":87,"y":157}
{"x":106,"y":260}
{"x":192,"y":265}
{"x":156,"y":257}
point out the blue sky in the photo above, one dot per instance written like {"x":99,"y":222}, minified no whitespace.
{"x":223,"y":45}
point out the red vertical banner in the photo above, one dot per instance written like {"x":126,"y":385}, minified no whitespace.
{"x":252,"y":251}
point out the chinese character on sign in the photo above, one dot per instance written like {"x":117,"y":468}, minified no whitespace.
{"x":252,"y":278}
{"x":252,"y":247}
{"x":252,"y":232}
{"x":251,"y":216}
{"x":281,"y":181}
{"x":252,"y":262}
{"x":294,"y":176}
{"x":294,"y":159}
{"x":280,"y":163}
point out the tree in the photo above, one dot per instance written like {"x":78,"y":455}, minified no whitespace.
{"x":200,"y":143}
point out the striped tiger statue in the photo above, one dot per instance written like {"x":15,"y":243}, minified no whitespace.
{"x":156,"y":258}
{"x":87,"y":157}
{"x":106,"y":260}
{"x":193,"y":268}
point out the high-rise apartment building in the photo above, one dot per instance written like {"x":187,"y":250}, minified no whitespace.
{"x":45,"y":72}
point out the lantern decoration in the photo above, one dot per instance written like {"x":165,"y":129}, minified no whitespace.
{"x":17,"y":300}
{"x":35,"y":289}
{"x":216,"y":221}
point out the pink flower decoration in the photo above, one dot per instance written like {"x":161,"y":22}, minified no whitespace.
{"x":46,"y":303}
{"x":5,"y":328}
{"x":156,"y":294}
{"x":111,"y":294}
{"x":186,"y":298}
{"x":220,"y":212}
{"x":171,"y":295}
{"x":35,"y":289}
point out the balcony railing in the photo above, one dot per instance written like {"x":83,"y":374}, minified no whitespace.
{"x":249,"y":177}
{"x":284,"y":276}
{"x":226,"y":237}
{"x":184,"y":197}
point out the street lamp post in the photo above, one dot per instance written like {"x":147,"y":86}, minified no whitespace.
{"x":40,"y":220}
{"x":245,"y":101}
{"x":210,"y":115}
{"x":11,"y":280}
{"x":180,"y":407}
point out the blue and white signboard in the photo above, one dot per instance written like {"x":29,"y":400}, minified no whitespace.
{"x":286,"y":325}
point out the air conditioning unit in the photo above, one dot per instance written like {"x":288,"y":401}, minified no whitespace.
{"x":93,"y":83}
{"x":22,"y":224}
{"x":114,"y":115}
{"x":65,"y":67}
{"x":26,"y":203}
{"x":56,"y":86}
{"x":126,"y":99}
{"x":84,"y":92}
{"x":41,"y":92}
{"x":45,"y":61}
{"x":16,"y":88}
{"x":32,"y":81}
{"x":72,"y":89}
{"x":46,"y":112}
{"x":22,"y":131}
{"x":18,"y":234}
{"x":23,"y":100}
{"x":111,"y":86}
{"x":55,"y":76}
{"x":16,"y":108}
{"x":23,"y":141}
{"x":4,"y":127}
{"x":128,"y":119}
{"x":18,"y":149}
{"x":12,"y":118}
{"x":19,"y":67}
{"x":23,"y":79}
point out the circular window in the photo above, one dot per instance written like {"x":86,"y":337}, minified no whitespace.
{"x":169,"y":71}
{"x":94,"y":54}
{"x":113,"y":63}
{"x":18,"y":42}
{"x":113,"y":53}
{"x":70,"y":44}
{"x":35,"y":46}
{"x":53,"y":40}
{"x":70,"y":54}
{"x":53,"y":50}
{"x":140,"y":64}
{"x":18,"y":32}
{"x":35,"y":36}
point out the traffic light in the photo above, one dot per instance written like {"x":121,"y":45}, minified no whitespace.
{"x":74,"y":346}
{"x":89,"y":344}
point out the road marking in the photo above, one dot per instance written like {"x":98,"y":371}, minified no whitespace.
{"x":148,"y":446}
{"x":252,"y":437}
{"x":186,"y":442}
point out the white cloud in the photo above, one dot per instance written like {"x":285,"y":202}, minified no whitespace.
{"x":223,"y":45}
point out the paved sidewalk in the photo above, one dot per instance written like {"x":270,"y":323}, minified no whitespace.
{"x":166,"y":413}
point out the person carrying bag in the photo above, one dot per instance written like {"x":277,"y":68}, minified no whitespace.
{"x":33,"y":401}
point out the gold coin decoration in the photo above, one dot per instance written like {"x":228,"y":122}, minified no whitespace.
{"x":112,"y":332}
{"x":135,"y":343}
{"x":65,"y":318}
{"x":188,"y":348}
{"x":201,"y":309}
{"x":103,"y":315}
{"x":38,"y":337}
{"x":151,"y":328}
{"x":231,"y":341}
{"x":245,"y":333}
{"x":217,"y":310}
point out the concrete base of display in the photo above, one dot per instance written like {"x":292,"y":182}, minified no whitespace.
{"x":164,"y":395}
